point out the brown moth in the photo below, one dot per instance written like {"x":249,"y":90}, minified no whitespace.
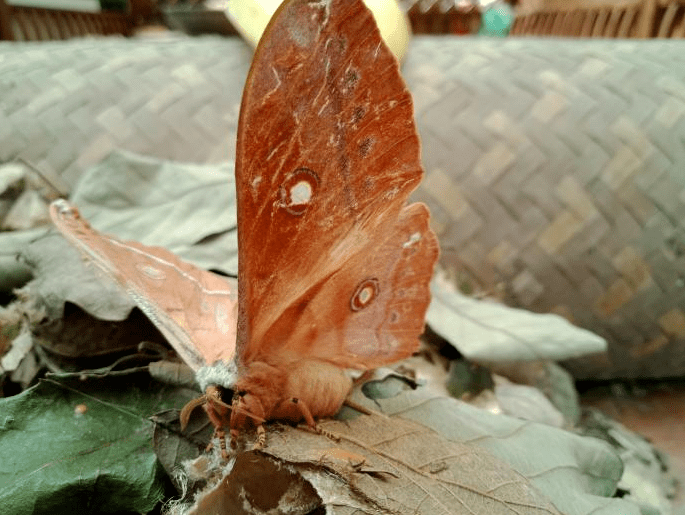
{"x":334,"y":265}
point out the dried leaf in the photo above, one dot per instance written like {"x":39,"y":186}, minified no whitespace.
{"x":21,"y":345}
{"x":186,"y":208}
{"x":13,"y":272}
{"x":647,"y":478}
{"x":28,"y":211}
{"x":242,"y":491}
{"x":379,"y":460}
{"x":172,"y":450}
{"x":551,"y":379}
{"x":60,"y":276}
{"x":527,"y":403}
{"x":415,"y":471}
{"x":579,"y":475}
{"x":10,"y":175}
{"x":485,"y":331}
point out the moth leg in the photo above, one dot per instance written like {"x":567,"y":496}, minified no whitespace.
{"x":247,"y":408}
{"x":217,"y":412}
{"x":219,"y":434}
{"x":261,"y":438}
{"x":309,"y":419}
{"x":366,"y":375}
{"x":234,"y":432}
{"x":362,"y":409}
{"x":214,"y":408}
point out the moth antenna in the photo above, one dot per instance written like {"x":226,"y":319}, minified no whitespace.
{"x":222,"y":404}
{"x":190,"y":406}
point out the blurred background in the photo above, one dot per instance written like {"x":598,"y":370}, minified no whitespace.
{"x":24,"y":20}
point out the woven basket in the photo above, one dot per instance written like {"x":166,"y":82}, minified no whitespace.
{"x":555,"y":169}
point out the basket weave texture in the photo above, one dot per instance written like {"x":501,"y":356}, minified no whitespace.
{"x":555,"y":169}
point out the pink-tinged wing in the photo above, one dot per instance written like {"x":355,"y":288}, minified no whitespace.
{"x":194,"y":309}
{"x":331,"y":262}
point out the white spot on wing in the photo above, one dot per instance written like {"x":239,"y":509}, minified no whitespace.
{"x":151,"y":272}
{"x":300,"y":193}
{"x":412,"y":239}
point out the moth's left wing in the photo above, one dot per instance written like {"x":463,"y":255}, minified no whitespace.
{"x":195,"y":310}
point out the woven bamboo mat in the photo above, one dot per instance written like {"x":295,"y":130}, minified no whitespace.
{"x":555,"y":169}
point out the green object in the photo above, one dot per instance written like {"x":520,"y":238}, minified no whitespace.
{"x":497,"y":20}
{"x":72,"y":446}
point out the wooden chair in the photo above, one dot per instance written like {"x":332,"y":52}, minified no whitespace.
{"x":25,"y":23}
{"x":440,"y":17}
{"x":603,"y":19}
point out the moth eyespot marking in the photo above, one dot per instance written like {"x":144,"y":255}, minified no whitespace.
{"x":301,"y":193}
{"x":256,"y":181}
{"x":298,"y":190}
{"x":151,"y":272}
{"x":365,"y":146}
{"x":365,"y":294}
{"x":414,"y":238}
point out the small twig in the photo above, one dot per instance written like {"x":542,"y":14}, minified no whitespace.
{"x":362,"y":409}
{"x":48,"y":182}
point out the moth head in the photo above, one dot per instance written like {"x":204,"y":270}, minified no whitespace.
{"x":222,"y":373}
{"x":215,"y":380}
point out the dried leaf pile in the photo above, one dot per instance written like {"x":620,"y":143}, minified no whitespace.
{"x":96,"y":424}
